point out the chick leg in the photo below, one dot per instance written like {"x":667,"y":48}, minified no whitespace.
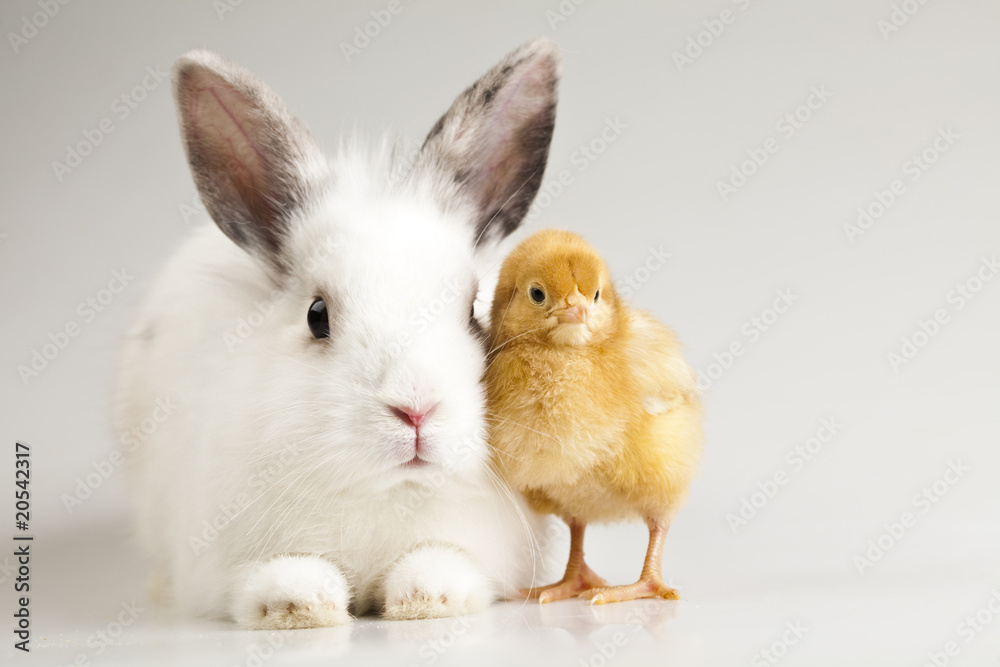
{"x":650,"y":584}
{"x":578,"y":578}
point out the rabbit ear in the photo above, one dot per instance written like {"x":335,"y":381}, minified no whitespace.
{"x":254,"y":163}
{"x":494,"y":140}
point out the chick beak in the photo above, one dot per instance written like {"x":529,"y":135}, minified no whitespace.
{"x":578,"y":314}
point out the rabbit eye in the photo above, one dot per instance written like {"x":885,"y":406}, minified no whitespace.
{"x":318,"y":318}
{"x":536,"y":294}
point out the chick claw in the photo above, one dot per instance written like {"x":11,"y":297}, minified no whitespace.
{"x":646,"y":587}
{"x":572,"y":585}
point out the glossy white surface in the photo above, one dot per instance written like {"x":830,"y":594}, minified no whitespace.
{"x":887,"y":618}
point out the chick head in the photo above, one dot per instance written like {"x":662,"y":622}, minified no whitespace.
{"x":554,"y":288}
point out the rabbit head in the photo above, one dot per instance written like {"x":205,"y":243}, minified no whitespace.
{"x":369,"y":263}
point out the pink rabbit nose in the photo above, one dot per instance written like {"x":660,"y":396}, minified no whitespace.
{"x":410,"y":415}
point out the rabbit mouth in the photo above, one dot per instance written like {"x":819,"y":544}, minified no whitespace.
{"x":415,"y":462}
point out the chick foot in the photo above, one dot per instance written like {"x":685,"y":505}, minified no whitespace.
{"x":646,"y":587}
{"x":572,"y":585}
{"x":650,"y":584}
{"x":578,"y":577}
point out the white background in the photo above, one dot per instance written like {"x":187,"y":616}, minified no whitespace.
{"x":685,"y":128}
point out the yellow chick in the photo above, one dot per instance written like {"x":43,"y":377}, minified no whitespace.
{"x":593,"y":412}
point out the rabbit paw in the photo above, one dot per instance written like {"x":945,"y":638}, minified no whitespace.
{"x":293,"y":592}
{"x":434,"y":582}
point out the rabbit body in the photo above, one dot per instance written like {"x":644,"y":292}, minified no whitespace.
{"x":287,"y":487}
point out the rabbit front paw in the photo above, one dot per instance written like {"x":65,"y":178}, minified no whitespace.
{"x":435,"y":582}
{"x":293,"y":592}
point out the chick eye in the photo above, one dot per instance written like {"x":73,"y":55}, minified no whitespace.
{"x":597,"y":295}
{"x":536,"y":294}
{"x":319,"y":319}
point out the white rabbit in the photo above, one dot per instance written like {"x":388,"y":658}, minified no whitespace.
{"x":324,"y":452}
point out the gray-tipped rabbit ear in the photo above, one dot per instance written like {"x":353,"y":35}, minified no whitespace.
{"x":494,"y":140}
{"x":254,"y":163}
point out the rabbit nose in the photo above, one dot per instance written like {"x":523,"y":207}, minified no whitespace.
{"x":408,"y":415}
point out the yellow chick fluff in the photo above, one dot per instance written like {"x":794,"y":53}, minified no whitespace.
{"x":594,"y":414}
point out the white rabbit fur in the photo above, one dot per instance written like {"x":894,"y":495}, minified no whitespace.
{"x":273,"y":493}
